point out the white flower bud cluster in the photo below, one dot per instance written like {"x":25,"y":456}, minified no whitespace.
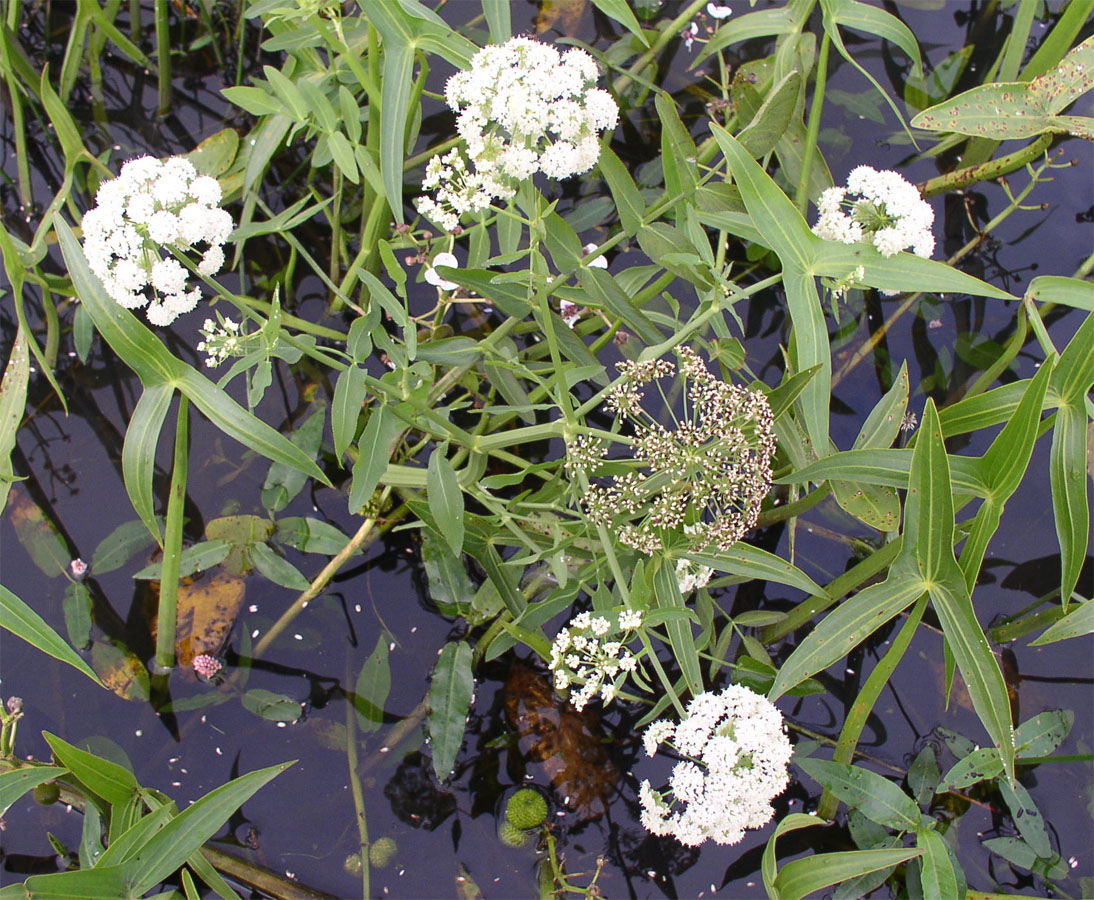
{"x":737,"y":755}
{"x":691,"y":576}
{"x":522,"y":108}
{"x":888,"y":211}
{"x":154,"y":204}
{"x":221,"y":341}
{"x":591,"y":652}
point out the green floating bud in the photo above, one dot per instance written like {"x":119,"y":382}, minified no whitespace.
{"x":526,"y":809}
{"x":511,"y":836}
{"x":382,"y":852}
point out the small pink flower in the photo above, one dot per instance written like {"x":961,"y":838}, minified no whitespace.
{"x":934,"y":323}
{"x":207,"y":667}
{"x":78,"y":568}
{"x":688,"y":34}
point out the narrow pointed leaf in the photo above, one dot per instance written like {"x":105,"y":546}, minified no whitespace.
{"x":445,"y":499}
{"x":170,"y":847}
{"x":1079,"y":621}
{"x":139,"y":453}
{"x":801,"y":877}
{"x":114,"y":783}
{"x":1070,"y":500}
{"x":1027,"y":818}
{"x":24,"y":622}
{"x":667,"y":591}
{"x":754,"y":562}
{"x":374,"y":452}
{"x":13,"y":401}
{"x":372,"y":687}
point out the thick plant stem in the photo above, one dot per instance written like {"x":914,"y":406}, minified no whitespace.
{"x":172,"y":544}
{"x":163,"y":57}
{"x":814,"y":125}
{"x":1004,"y":165}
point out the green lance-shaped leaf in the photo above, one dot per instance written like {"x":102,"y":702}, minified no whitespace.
{"x":931,"y":536}
{"x":108,"y":883}
{"x":276,"y":568}
{"x":283,"y":482}
{"x":1015,"y":110}
{"x":938,"y":876}
{"x":114,"y":783}
{"x":1003,"y":467}
{"x":271,"y":705}
{"x":1076,"y":623}
{"x":625,"y":193}
{"x":1027,"y":818}
{"x":139,"y":453}
{"x":445,"y":499}
{"x":1057,"y":289}
{"x":449,"y":702}
{"x":13,"y":401}
{"x":773,"y":117}
{"x":1043,"y":733}
{"x":24,"y":622}
{"x":120,"y":546}
{"x":16,"y":783}
{"x":374,"y":454}
{"x":172,"y":845}
{"x":875,"y":797}
{"x":754,"y":562}
{"x":979,"y":765}
{"x":667,"y":591}
{"x":620,"y":10}
{"x":498,"y":17}
{"x":372,"y":687}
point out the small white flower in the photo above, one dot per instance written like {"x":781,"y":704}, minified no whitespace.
{"x":431,"y":276}
{"x":719,"y":12}
{"x":601,"y":262}
{"x":570,"y":312}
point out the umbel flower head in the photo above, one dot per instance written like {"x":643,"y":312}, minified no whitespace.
{"x":521,"y":108}
{"x":151,"y":205}
{"x":704,"y":479}
{"x":888,"y":212}
{"x":736,"y":758}
{"x":591,"y":652}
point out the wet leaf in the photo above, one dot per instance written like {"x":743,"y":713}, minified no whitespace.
{"x":449,"y":585}
{"x":566,"y":742}
{"x":284,"y":482}
{"x":241,"y":531}
{"x":466,"y":889}
{"x":215,"y":155}
{"x":77,"y":608}
{"x":445,"y":499}
{"x":268,"y":705}
{"x":120,"y":670}
{"x":874,"y":796}
{"x":277,"y":569}
{"x":1027,"y":818}
{"x":194,"y":559}
{"x":1043,"y":733}
{"x":16,"y":783}
{"x":978,"y":765}
{"x":120,"y":546}
{"x":1079,"y":621}
{"x":938,"y":876}
{"x":561,"y":14}
{"x":450,"y":691}
{"x":114,"y":783}
{"x":311,"y":535}
{"x":24,"y":622}
{"x":38,"y":535}
{"x":372,"y":687}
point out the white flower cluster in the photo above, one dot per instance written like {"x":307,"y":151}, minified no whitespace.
{"x":154,"y":204}
{"x":737,"y":758}
{"x":888,"y":211}
{"x":581,"y":655}
{"x":522,"y":108}
{"x":691,"y":576}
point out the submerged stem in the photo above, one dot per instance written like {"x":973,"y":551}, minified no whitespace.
{"x":167,"y":613}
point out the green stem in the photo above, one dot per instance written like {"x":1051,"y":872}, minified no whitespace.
{"x":355,"y":789}
{"x":670,"y":31}
{"x":814,"y":125}
{"x":163,"y":57}
{"x":172,"y":544}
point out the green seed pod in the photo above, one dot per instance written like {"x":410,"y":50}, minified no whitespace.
{"x":526,"y":809}
{"x":47,"y":794}
{"x":382,"y":852}
{"x":352,"y":865}
{"x":511,"y":836}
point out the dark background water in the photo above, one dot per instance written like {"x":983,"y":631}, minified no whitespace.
{"x":303,"y":822}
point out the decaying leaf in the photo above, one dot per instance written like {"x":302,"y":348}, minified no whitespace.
{"x":563,"y":14}
{"x":567,"y":742}
{"x":207,"y":610}
{"x":120,"y":670}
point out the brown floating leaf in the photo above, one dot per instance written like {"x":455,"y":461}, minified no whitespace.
{"x":566,"y":13}
{"x":38,"y":534}
{"x":207,"y":611}
{"x":567,"y":742}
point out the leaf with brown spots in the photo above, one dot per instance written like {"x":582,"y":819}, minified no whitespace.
{"x":38,"y":534}
{"x":207,"y":610}
{"x":563,"y":14}
{"x":120,"y":670}
{"x":567,"y":742}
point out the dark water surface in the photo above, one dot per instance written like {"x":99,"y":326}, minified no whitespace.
{"x":303,"y":823}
